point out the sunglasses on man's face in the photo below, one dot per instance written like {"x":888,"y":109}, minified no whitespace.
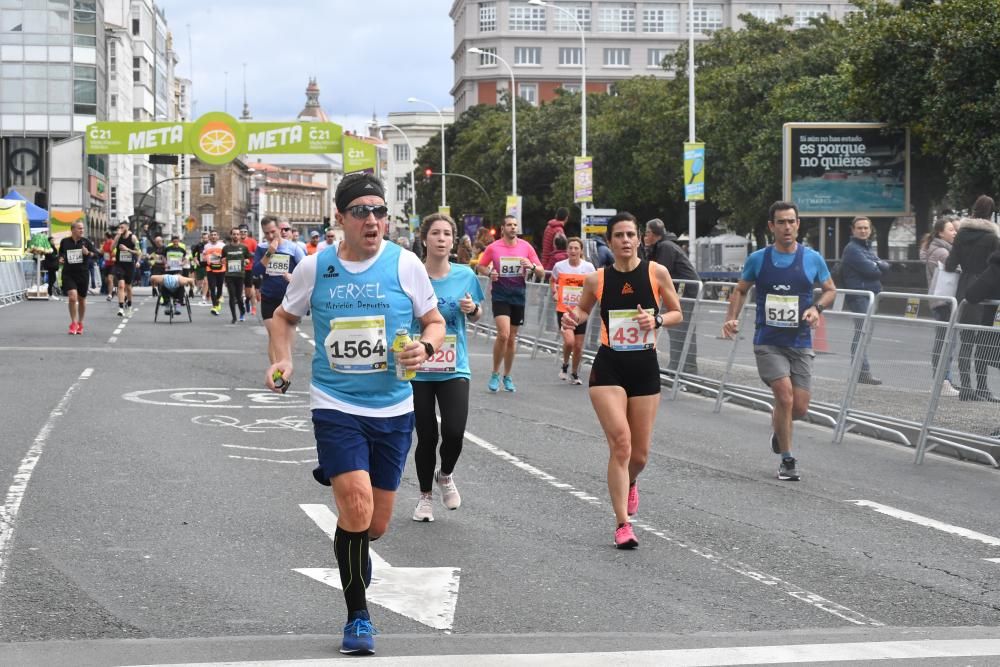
{"x":286,"y":229}
{"x":362,"y":211}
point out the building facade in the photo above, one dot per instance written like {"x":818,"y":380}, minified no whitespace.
{"x":53,"y":81}
{"x":623,"y":40}
{"x":220,"y":196}
{"x":418,"y":127}
{"x":289,"y":193}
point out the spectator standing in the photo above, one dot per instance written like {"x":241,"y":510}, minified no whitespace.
{"x":861,"y":269}
{"x":934,"y":250}
{"x":555,"y":227}
{"x":663,"y":250}
{"x":976,"y":241}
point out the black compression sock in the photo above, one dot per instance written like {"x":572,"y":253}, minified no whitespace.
{"x":352,"y":558}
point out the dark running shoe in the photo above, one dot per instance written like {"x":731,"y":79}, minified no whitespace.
{"x":787,"y":472}
{"x":359,"y":637}
{"x":775,"y":447}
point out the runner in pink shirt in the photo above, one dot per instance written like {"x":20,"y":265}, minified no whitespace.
{"x":507,"y":261}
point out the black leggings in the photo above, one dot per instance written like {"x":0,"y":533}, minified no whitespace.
{"x":215,"y":282}
{"x":234,"y":286}
{"x":453,"y":400}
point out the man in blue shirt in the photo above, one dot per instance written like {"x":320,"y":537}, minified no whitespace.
{"x":784,"y":275}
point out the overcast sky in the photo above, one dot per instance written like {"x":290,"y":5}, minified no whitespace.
{"x":366,"y":55}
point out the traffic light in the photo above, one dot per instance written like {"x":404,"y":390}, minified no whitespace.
{"x":428,"y":172}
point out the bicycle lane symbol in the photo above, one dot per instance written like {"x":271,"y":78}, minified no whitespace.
{"x":258,"y":426}
{"x":216,"y":397}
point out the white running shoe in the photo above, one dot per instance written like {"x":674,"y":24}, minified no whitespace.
{"x":425,"y":508}
{"x":449,"y":492}
{"x":564,"y":372}
{"x":948,"y":389}
{"x":128,"y":311}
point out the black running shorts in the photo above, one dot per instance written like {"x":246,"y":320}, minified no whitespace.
{"x":515,"y":313}
{"x":636,"y":371}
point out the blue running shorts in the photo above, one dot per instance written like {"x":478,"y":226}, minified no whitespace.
{"x":378,"y":445}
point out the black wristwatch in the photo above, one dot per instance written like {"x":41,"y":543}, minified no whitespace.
{"x":819,"y":308}
{"x":428,"y":348}
{"x":659,"y":321}
{"x":475,"y":311}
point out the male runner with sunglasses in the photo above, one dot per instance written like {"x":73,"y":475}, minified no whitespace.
{"x":273,"y":263}
{"x":360,"y":292}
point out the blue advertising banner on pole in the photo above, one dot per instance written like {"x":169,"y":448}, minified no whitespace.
{"x":694,"y":172}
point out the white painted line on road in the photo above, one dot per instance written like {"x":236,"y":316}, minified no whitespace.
{"x":113,"y":339}
{"x":271,"y":449}
{"x":689,"y":657}
{"x":15,"y":494}
{"x":253,"y":458}
{"x":117,"y":331}
{"x":797,"y":592}
{"x":992,"y":560}
{"x":929,"y":523}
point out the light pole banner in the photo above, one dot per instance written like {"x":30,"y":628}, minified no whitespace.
{"x":694,"y":172}
{"x":514,"y":208}
{"x":358,"y":155}
{"x":583,"y":179}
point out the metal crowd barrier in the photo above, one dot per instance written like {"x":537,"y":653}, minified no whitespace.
{"x":873,"y":372}
{"x":13,"y":287}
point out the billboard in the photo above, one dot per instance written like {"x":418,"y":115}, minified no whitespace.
{"x":694,"y":172}
{"x":846,"y":169}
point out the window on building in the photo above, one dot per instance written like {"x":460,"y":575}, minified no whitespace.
{"x":113,"y":203}
{"x":663,"y":19}
{"x":769,"y":13}
{"x":137,"y":70}
{"x":617,"y":18}
{"x":527,"y":55}
{"x":112,"y":58}
{"x":570,"y":55}
{"x":526,"y":18}
{"x":564,"y":23}
{"x":487,"y":16}
{"x":803,"y":14}
{"x":401,"y":152}
{"x":207,"y":221}
{"x":617,"y":57}
{"x":571,"y":87}
{"x":528,"y":92}
{"x":488,"y":59}
{"x":654,"y":57}
{"x":85,"y":90}
{"x":135,"y":27}
{"x":706,"y":18}
{"x":402,"y":188}
{"x":85,"y":23}
{"x":113,"y":101}
{"x":207,"y":186}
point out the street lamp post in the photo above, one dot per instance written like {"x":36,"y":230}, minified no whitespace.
{"x":692,"y":227}
{"x":444,"y":168}
{"x":413,"y":187}
{"x":513,"y":114}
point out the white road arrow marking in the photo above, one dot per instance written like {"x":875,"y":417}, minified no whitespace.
{"x":425,"y":594}
{"x":993,"y":560}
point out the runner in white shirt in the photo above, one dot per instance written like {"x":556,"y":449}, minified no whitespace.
{"x":567,"y":286}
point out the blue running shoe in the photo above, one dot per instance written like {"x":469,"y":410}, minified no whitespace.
{"x":494,"y":384}
{"x":359,"y":637}
{"x":508,"y":383}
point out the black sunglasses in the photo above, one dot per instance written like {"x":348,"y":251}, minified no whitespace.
{"x":362,"y":211}
{"x":285,"y":229}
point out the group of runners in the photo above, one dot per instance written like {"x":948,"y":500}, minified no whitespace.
{"x":391,"y":353}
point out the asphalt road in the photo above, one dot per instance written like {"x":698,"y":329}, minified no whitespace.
{"x":158,"y":504}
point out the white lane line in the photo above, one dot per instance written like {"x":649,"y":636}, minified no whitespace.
{"x":117,"y":331}
{"x":15,"y":494}
{"x":929,"y":523}
{"x":271,"y":449}
{"x":253,"y":458}
{"x":113,"y":339}
{"x":790,"y":589}
{"x":690,"y":657}
{"x":992,"y":560}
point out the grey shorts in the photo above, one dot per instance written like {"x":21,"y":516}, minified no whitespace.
{"x":774,"y":363}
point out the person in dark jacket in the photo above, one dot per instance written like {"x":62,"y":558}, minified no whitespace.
{"x":976,"y":241}
{"x":555,"y":227}
{"x":598,"y":251}
{"x":663,"y":250}
{"x":861,"y":269}
{"x":987,"y":288}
